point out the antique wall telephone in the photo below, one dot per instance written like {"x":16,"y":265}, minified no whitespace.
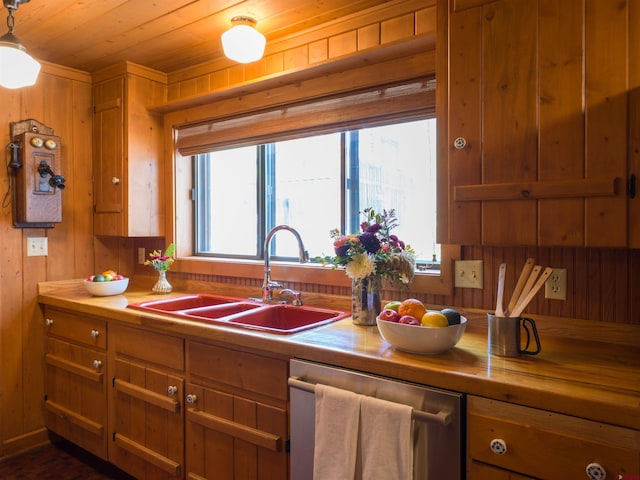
{"x":36,"y":187}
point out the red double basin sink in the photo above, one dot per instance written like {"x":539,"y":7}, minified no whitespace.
{"x":242,"y":313}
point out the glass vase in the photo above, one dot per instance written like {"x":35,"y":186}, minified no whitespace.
{"x":366,"y":300}
{"x":162,"y":286}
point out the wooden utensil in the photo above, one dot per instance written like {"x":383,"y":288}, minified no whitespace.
{"x":501,"y":274}
{"x":522,"y":304}
{"x":524,"y":275}
{"x":531,"y":280}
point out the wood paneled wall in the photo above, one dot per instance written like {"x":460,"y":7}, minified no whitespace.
{"x":602,"y":284}
{"x":61,"y":99}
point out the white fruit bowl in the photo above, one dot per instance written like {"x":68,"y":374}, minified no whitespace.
{"x":104,"y":289}
{"x":421,"y":340}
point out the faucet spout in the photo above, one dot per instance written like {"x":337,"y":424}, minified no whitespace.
{"x":269,"y":285}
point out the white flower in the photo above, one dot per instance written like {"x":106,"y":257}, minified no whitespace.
{"x":360,"y":266}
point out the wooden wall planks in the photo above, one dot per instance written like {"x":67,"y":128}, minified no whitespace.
{"x":61,"y":100}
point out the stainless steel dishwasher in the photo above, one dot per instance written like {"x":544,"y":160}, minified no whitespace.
{"x":437,"y":419}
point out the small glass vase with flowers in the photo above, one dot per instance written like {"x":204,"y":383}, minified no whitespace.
{"x":369,"y":257}
{"x":161,"y":263}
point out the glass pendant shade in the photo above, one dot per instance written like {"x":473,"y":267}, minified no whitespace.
{"x":17,"y":68}
{"x":243,"y":43}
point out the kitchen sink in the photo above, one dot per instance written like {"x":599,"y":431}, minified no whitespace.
{"x":241,"y":313}
{"x":185,"y":302}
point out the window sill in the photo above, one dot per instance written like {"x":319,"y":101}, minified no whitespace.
{"x":429,"y":283}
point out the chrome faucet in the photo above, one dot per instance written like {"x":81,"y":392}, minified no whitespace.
{"x":268,"y":285}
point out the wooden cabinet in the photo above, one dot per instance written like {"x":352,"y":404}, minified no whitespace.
{"x":76,"y":382}
{"x":146,"y":413}
{"x":128,"y":151}
{"x":506,"y":441}
{"x":236,"y":417}
{"x":533,"y":108}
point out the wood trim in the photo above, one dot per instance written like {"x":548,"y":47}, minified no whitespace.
{"x":72,"y":417}
{"x":534,"y":190}
{"x":237,"y":430}
{"x":193,"y":476}
{"x":74,"y":368}
{"x":459,"y":5}
{"x":147,"y":396}
{"x":147,"y":455}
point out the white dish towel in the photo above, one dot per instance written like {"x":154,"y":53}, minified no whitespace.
{"x":336,"y":433}
{"x":386,"y":440}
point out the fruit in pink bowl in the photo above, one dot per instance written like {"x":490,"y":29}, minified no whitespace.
{"x":389,"y":315}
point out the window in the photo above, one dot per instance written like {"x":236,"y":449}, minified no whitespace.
{"x":245,"y":164}
{"x":316,"y":183}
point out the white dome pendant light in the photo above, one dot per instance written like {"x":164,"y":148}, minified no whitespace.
{"x":17,"y":68}
{"x":242,"y":42}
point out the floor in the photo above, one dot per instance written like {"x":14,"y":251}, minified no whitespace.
{"x":59,"y":461}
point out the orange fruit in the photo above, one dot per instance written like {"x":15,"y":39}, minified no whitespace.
{"x":413,"y":307}
{"x":109,"y":272}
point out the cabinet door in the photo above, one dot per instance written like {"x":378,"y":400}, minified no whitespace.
{"x":146,"y":414}
{"x":76,"y":394}
{"x":480,"y":471}
{"x":534,"y":129}
{"x":108,"y":152}
{"x":148,"y":422}
{"x":234,"y":438}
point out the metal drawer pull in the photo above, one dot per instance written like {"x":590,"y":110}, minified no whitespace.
{"x":48,"y":322}
{"x":94,"y":334}
{"x":442,"y":417}
{"x":97,"y":364}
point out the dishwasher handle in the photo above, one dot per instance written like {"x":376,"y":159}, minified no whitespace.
{"x":443,"y":417}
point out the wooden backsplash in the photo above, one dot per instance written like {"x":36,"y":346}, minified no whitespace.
{"x":600,"y":282}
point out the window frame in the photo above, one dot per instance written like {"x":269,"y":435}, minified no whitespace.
{"x":181,"y":223}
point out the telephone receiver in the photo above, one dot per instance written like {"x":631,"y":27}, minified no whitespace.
{"x":56,"y":180}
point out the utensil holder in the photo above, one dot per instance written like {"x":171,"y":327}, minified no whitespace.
{"x":504,"y":338}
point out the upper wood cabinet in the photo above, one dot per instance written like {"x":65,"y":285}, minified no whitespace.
{"x":128,"y":151}
{"x":536,"y":120}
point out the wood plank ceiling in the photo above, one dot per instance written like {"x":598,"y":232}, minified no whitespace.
{"x":166,"y":35}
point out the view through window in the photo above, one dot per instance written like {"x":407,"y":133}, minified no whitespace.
{"x":315,"y":184}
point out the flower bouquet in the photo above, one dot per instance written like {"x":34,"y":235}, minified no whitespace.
{"x":161,"y":263}
{"x":368,"y":257}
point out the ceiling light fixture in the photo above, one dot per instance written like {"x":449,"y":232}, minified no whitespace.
{"x":17,"y":68}
{"x":242,"y":42}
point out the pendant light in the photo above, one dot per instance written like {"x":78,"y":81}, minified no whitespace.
{"x":17,"y":68}
{"x":242,"y":42}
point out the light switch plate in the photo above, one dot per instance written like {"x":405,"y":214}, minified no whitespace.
{"x":37,"y":247}
{"x":468,"y":273}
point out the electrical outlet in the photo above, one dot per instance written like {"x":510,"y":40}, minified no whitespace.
{"x":468,"y":273}
{"x":556,"y":285}
{"x":37,"y":247}
{"x":141,"y":255}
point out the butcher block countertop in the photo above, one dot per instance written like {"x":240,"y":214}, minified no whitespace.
{"x":586,"y":369}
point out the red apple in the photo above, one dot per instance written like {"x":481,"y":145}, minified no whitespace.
{"x":389,"y":315}
{"x":409,"y":320}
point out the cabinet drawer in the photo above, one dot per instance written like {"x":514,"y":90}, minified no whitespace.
{"x":548,"y":445}
{"x":262,"y":375}
{"x":151,"y":347}
{"x":89,"y":331}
